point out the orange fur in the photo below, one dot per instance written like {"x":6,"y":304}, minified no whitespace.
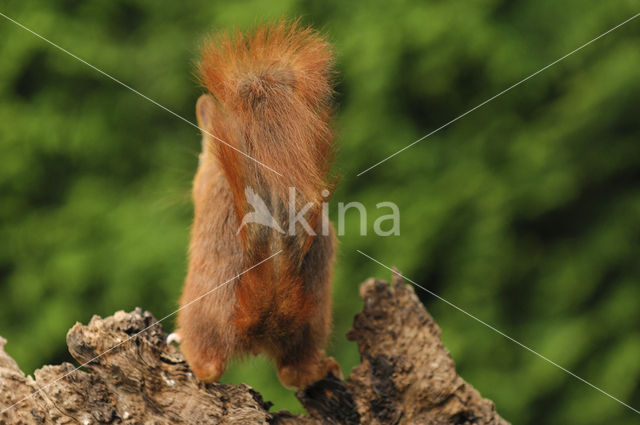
{"x":270,"y":97}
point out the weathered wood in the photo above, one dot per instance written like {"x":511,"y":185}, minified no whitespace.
{"x":406,"y":376}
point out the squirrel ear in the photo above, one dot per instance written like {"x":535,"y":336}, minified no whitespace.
{"x":204,"y":110}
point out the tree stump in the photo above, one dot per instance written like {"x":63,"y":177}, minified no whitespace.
{"x":131,"y":376}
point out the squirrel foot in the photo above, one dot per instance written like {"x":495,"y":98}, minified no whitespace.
{"x":303,"y":375}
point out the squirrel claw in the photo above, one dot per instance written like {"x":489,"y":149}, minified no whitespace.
{"x":173,"y":337}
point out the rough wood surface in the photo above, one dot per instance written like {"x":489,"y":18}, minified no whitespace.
{"x":406,"y":377}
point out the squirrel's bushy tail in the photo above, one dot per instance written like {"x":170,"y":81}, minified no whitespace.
{"x":273,"y":89}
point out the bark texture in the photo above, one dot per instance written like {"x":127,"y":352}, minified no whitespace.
{"x":130,"y":376}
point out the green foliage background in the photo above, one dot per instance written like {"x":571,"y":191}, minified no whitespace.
{"x":525,"y":213}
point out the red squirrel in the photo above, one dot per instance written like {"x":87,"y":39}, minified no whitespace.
{"x":269,"y":97}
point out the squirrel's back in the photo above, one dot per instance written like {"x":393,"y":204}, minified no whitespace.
{"x":273,"y":92}
{"x":269,"y":107}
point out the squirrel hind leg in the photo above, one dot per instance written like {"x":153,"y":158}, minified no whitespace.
{"x":207,"y":368}
{"x":304,"y":373}
{"x":210,"y":371}
{"x":207,"y":357}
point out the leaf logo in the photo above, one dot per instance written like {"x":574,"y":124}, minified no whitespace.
{"x":260,"y":214}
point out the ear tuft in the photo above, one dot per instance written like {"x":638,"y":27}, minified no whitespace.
{"x":204,"y":111}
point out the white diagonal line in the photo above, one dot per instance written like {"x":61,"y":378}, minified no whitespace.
{"x":499,"y":94}
{"x":138,"y":333}
{"x":137,"y":92}
{"x":501,"y":333}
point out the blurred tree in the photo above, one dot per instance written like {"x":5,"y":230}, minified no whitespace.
{"x":525,"y":213}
